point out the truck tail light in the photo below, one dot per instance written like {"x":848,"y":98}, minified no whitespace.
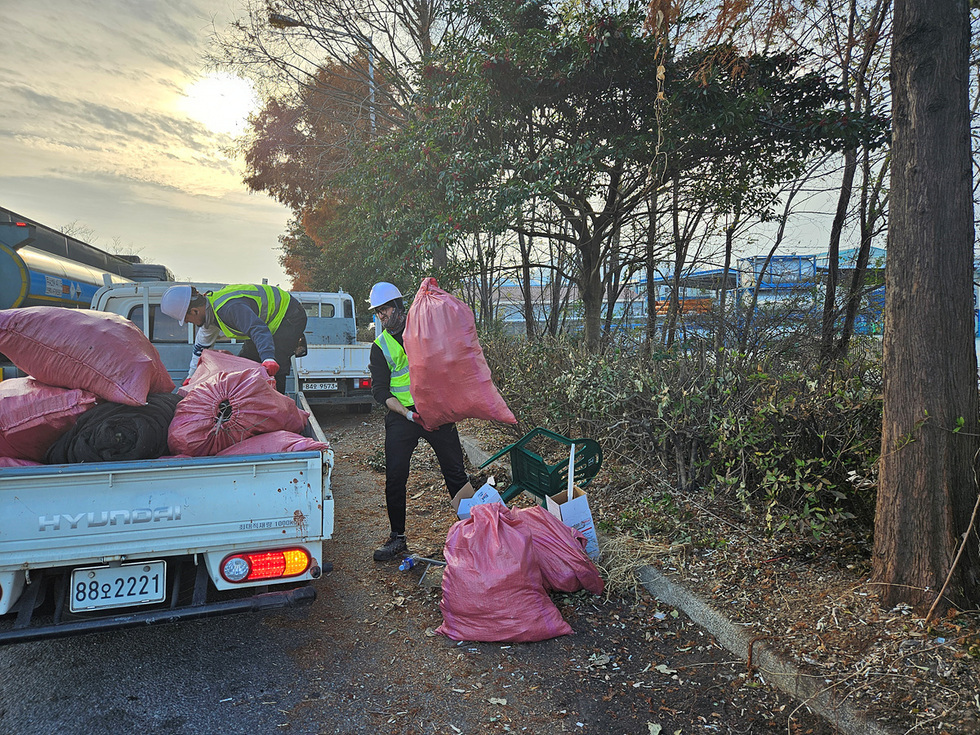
{"x":256,"y":565}
{"x":364,"y":383}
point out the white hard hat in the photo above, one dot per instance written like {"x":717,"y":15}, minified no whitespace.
{"x":175,"y":301}
{"x":382,"y":293}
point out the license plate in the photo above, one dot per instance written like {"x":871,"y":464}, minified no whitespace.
{"x":320,"y":386}
{"x":99,"y":588}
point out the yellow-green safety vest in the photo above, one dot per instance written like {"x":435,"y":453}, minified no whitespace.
{"x":401,"y":384}
{"x":271,"y":300}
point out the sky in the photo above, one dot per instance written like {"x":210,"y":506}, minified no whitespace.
{"x":111,"y":124}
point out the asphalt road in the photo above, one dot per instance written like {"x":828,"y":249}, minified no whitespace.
{"x":227,"y":675}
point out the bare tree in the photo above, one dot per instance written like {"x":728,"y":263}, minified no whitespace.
{"x":854,"y":36}
{"x":283,"y":44}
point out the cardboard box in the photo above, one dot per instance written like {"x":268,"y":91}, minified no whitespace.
{"x":467,"y":497}
{"x":577,"y":514}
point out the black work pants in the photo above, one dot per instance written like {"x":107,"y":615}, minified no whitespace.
{"x":401,"y":438}
{"x":285,"y":339}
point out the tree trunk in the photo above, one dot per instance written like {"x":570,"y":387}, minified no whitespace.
{"x":927,"y":487}
{"x":613,"y":287}
{"x":680,"y":257}
{"x":590,"y":291}
{"x":833,"y":255}
{"x":651,"y":272}
{"x":530,"y":322}
{"x":721,"y":355}
{"x":780,"y":232}
{"x":871,"y":213}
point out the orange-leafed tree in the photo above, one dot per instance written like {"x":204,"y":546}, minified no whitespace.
{"x":298,"y":145}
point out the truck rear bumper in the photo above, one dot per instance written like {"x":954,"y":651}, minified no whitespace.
{"x":27,"y":626}
{"x":337,"y":398}
{"x":258,"y":603}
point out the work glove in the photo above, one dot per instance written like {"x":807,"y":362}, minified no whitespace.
{"x":271,"y":367}
{"x":412,"y":416}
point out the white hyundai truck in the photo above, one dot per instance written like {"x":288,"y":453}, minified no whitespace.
{"x":106,"y":545}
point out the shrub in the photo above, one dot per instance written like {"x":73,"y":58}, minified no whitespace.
{"x":797,"y":450}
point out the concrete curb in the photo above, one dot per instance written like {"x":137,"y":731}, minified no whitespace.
{"x":816,"y":693}
{"x":473,"y":451}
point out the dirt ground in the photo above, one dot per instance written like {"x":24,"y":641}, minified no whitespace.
{"x":813,"y":602}
{"x":631,"y":666}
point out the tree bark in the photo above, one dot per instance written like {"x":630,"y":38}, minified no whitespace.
{"x":927,"y":486}
{"x":530,"y":322}
{"x":651,"y":272}
{"x":833,"y":255}
{"x":590,"y":292}
{"x":721,"y":355}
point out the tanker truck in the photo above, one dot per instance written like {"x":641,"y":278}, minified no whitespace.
{"x":40,"y":266}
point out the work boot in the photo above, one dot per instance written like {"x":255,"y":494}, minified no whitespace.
{"x":392,"y":549}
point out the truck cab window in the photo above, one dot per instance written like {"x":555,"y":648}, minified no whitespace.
{"x":162,"y":327}
{"x":319,"y":311}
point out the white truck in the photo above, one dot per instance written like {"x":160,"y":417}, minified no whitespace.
{"x":333,"y":372}
{"x":106,"y":545}
{"x":335,"y":369}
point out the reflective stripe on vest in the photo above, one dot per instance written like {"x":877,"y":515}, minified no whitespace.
{"x":398,"y":364}
{"x":271,"y":300}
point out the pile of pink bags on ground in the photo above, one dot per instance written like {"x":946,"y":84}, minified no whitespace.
{"x":77,"y":359}
{"x":501,"y":565}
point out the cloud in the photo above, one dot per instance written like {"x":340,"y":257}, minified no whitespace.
{"x":95,"y":115}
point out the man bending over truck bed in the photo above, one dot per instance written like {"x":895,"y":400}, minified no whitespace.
{"x":270,"y":321}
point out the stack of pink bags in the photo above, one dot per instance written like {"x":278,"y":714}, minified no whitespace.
{"x":75,"y":358}
{"x":231,"y":406}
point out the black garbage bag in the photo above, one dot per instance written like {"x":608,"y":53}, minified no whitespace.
{"x":115,"y":431}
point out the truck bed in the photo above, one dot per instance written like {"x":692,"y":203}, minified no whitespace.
{"x":174,"y":521}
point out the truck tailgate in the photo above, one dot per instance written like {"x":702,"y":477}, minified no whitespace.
{"x":325,"y":361}
{"x":76,"y":514}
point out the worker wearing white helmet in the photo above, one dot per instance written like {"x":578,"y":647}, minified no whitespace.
{"x":392,"y":387}
{"x":266,"y":317}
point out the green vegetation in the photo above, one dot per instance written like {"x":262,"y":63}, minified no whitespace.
{"x":793,"y":448}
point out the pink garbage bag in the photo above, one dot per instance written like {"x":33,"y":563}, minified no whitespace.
{"x":492,"y":587}
{"x":216,"y":361}
{"x":560,"y":552}
{"x":276,"y":441}
{"x":12,"y":462}
{"x":79,"y":348}
{"x":450,"y":377}
{"x":228,"y":408}
{"x":33,"y":415}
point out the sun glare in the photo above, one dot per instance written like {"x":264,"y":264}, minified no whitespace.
{"x":220,"y":101}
